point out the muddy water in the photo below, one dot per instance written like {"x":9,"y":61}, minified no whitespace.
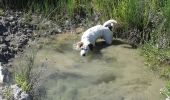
{"x":113,"y":72}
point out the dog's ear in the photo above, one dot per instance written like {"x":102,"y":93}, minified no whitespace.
{"x":80,"y":44}
{"x":91,"y":47}
{"x":77,"y":46}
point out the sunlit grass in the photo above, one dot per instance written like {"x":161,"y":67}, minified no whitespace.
{"x":23,"y":75}
{"x":135,"y":13}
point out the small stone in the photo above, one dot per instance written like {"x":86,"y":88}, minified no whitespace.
{"x":55,"y":31}
{"x":59,"y":30}
{"x":29,"y":34}
{"x":29,"y":31}
{"x":6,"y":23}
{"x":11,"y":18}
{"x":14,"y":30}
{"x":0,"y":97}
{"x":5,"y":72}
{"x":24,"y":96}
{"x":26,"y":26}
{"x":1,"y":39}
{"x":6,"y":33}
{"x":13,"y":24}
{"x":8,"y":38}
{"x":2,"y":29}
{"x":3,"y":47}
{"x":16,"y":91}
{"x":67,"y":23}
{"x":1,"y":75}
{"x":168,"y":98}
{"x":19,"y":33}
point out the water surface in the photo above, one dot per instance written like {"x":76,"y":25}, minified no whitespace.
{"x":113,"y":72}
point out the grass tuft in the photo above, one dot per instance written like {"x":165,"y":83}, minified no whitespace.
{"x":23,"y":74}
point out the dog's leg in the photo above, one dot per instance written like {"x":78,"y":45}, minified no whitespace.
{"x":109,"y":41}
{"x":108,"y":37}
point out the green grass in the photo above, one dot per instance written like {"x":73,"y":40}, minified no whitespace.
{"x":156,"y":51}
{"x":1,"y":12}
{"x":22,"y":81}
{"x":130,"y":11}
{"x":23,"y":75}
{"x":158,"y":59}
{"x":166,"y":90}
{"x":133,"y":13}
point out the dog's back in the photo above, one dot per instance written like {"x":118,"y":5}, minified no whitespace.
{"x":95,"y":32}
{"x":98,"y":30}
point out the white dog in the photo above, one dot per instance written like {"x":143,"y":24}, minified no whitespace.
{"x":90,"y":36}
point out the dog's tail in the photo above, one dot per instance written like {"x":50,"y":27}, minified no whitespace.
{"x":110,"y":23}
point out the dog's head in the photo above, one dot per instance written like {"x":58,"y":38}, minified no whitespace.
{"x":84,"y":48}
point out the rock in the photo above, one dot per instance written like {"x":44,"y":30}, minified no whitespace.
{"x":23,"y":39}
{"x":3,"y":47}
{"x":168,"y":98}
{"x":18,"y":94}
{"x":1,"y":90}
{"x":1,"y":39}
{"x":29,"y":35}
{"x":2,"y":29}
{"x":5,"y":72}
{"x":19,"y":33}
{"x":79,"y":30}
{"x":16,"y":91}
{"x":24,"y":96}
{"x":26,"y":26}
{"x":29,"y":31}
{"x":11,"y":18}
{"x":14,"y":33}
{"x":8,"y":38}
{"x":55,"y":31}
{"x":14,"y":23}
{"x":14,"y":30}
{"x":48,"y":24}
{"x":59,"y":30}
{"x":0,"y":97}
{"x":6,"y":33}
{"x":1,"y":75}
{"x":67,"y":23}
{"x":96,"y":16}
